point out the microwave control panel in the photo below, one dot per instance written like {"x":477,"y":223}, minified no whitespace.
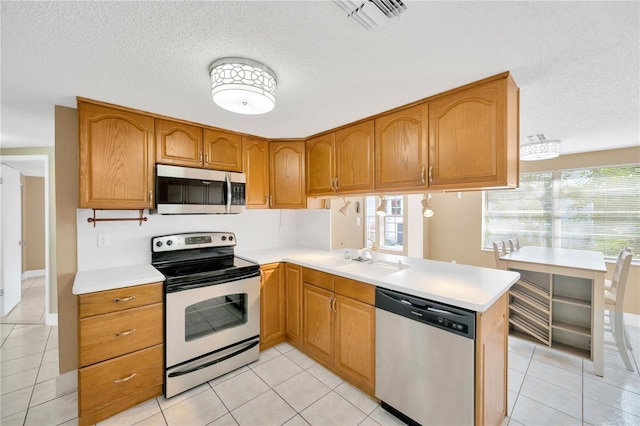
{"x":237,"y":194}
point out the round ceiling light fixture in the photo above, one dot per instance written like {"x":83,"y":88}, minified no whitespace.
{"x":538,"y":147}
{"x":243,"y":85}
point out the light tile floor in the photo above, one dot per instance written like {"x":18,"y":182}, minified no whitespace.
{"x":546,"y":387}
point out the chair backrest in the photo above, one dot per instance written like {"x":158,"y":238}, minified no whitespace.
{"x":620,"y":274}
{"x":499,"y":250}
{"x":514,"y":244}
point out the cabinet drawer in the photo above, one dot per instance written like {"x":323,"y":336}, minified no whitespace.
{"x":103,"y":302}
{"x":106,"y":336}
{"x":317,"y":278}
{"x":357,"y":290}
{"x":113,"y":386}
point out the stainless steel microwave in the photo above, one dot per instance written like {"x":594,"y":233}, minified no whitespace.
{"x":187,"y":190}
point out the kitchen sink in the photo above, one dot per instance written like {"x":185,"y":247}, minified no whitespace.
{"x":375,"y":269}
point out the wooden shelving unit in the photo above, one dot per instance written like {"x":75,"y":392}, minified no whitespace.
{"x":552,"y":309}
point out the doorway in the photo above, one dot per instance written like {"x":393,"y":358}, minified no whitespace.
{"x":33,"y":285}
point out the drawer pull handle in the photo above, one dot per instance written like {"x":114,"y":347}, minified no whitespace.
{"x":125,"y":299}
{"x":124,"y":333}
{"x":125,"y":378}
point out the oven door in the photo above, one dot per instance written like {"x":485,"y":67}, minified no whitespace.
{"x":207,"y":318}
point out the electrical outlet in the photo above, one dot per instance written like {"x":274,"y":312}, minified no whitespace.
{"x":103,"y":240}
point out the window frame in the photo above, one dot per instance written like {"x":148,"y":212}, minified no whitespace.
{"x":380,"y":222}
{"x":556,"y":209}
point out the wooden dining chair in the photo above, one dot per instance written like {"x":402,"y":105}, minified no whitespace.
{"x":614,"y":303}
{"x":499,"y":250}
{"x":514,"y":244}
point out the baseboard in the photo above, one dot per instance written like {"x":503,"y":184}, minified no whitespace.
{"x":34,"y":273}
{"x":51,"y":319}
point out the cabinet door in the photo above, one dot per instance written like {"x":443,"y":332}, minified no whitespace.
{"x":318,"y":322}
{"x":293,"y":294}
{"x":272,"y":299}
{"x":473,"y":138}
{"x":355,"y":342}
{"x":222,"y":150}
{"x":116,"y":158}
{"x":256,"y":167}
{"x":354,"y":158}
{"x":178,"y":144}
{"x":401,"y":149}
{"x":287,"y":175}
{"x":491,"y":364}
{"x":320,"y":173}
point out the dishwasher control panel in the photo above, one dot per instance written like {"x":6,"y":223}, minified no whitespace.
{"x":450,"y":318}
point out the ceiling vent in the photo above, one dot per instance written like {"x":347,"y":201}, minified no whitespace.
{"x":371,"y":14}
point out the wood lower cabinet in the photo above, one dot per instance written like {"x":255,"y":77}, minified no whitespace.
{"x":272,"y":303}
{"x":287,"y":175}
{"x":491,"y":364}
{"x":293,"y":306}
{"x":116,"y":157}
{"x":256,"y":167}
{"x":120,"y":345}
{"x":339,"y":326}
{"x":474,"y":137}
{"x":178,"y":144}
{"x":222,"y":150}
{"x":401,"y":149}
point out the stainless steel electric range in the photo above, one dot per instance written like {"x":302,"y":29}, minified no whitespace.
{"x":212,"y":307}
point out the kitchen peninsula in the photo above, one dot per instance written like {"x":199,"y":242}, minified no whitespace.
{"x":329,"y":313}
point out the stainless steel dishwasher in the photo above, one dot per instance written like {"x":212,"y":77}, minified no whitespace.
{"x":425,"y":360}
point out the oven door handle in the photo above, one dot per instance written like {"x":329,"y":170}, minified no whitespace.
{"x":215,"y":361}
{"x":173,"y":288}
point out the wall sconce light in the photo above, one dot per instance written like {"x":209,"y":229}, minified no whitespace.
{"x":382,"y":209}
{"x":345,"y":209}
{"x":427,"y":209}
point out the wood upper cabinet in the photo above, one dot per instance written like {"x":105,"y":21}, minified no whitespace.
{"x":272,"y":302}
{"x":178,"y":144}
{"x":116,"y":156}
{"x":341,"y":162}
{"x":354,"y":148}
{"x":320,"y":165}
{"x":287,"y":171}
{"x":474,"y":137}
{"x":293,"y":305}
{"x":222,"y":150}
{"x":491,"y":363}
{"x":256,"y":167}
{"x":401,"y":149}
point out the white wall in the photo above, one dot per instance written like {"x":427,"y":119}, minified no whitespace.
{"x":130,"y":244}
{"x":313,"y":229}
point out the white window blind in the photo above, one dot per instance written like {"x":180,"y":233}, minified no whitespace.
{"x":590,"y":209}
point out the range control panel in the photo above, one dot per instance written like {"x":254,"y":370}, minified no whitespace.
{"x":192,"y":240}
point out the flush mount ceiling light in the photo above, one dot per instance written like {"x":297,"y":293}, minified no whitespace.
{"x":243,"y":85}
{"x":538,"y":147}
{"x":382,"y":209}
{"x":427,"y":209}
{"x":371,"y":14}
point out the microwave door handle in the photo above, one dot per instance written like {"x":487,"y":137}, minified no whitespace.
{"x":228,"y":206}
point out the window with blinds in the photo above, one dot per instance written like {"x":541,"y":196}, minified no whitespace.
{"x":589,"y":209}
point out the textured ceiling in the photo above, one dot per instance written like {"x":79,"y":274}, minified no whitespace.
{"x":577,"y":63}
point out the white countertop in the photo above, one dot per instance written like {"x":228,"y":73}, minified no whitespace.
{"x":464,"y":286}
{"x":111,"y":278}
{"x":566,"y":258}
